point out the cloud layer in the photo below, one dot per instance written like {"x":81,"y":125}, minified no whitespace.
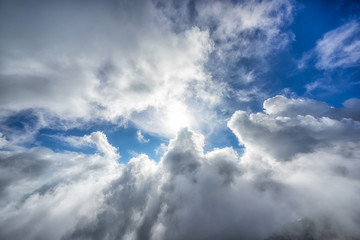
{"x":89,"y":61}
{"x":98,"y":59}
{"x":298,"y":178}
{"x":178,"y":70}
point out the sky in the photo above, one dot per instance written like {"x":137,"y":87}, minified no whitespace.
{"x":168,"y":119}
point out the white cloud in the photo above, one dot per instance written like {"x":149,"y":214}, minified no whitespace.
{"x":55,"y":190}
{"x":102,"y":144}
{"x":141,"y":137}
{"x":244,"y":34}
{"x":126,"y":61}
{"x":338,"y":48}
{"x":282,"y":106}
{"x":98,"y":139}
{"x":161,"y":149}
{"x":102,"y":63}
{"x":253,"y":22}
{"x":299,"y":177}
{"x":291,"y":126}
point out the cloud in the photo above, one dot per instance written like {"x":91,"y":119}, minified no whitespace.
{"x":97,"y":139}
{"x":55,"y":190}
{"x":141,"y":138}
{"x":188,"y":194}
{"x":298,"y":177}
{"x":282,"y":106}
{"x":259,"y":21}
{"x":244,"y":33}
{"x":99,"y":59}
{"x":161,"y":149}
{"x":165,"y":66}
{"x":291,"y":126}
{"x":338,"y":48}
{"x":251,"y":21}
{"x":3,"y":141}
{"x":108,"y":65}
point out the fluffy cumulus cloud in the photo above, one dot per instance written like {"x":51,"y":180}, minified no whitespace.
{"x":297,"y":179}
{"x":44,"y":193}
{"x":289,"y":127}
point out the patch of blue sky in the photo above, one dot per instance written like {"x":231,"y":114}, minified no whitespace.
{"x":123,"y":138}
{"x":313,"y":19}
{"x":21,"y":121}
{"x":222,"y":139}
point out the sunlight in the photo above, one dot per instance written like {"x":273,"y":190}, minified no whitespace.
{"x":177,"y":117}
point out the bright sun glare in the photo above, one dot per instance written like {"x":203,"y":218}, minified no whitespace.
{"x":177,"y":117}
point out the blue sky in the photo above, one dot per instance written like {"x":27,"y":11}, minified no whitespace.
{"x":97,"y":96}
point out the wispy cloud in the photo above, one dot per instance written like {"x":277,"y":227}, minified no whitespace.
{"x":141,"y":138}
{"x":338,"y":48}
{"x":97,"y":139}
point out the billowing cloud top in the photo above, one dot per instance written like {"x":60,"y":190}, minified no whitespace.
{"x":255,"y":123}
{"x":299,"y":176}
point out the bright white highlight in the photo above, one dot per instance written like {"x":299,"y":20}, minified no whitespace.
{"x":176,"y":118}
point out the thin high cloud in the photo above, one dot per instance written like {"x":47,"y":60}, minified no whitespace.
{"x":277,"y":188}
{"x":337,"y":48}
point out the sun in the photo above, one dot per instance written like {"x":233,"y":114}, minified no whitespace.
{"x":177,"y":117}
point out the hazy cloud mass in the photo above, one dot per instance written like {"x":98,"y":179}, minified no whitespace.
{"x":171,"y":120}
